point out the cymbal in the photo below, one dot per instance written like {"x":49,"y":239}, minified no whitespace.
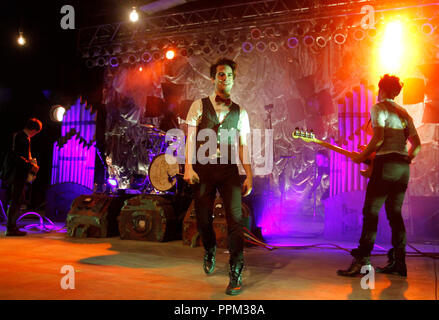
{"x":147,"y":125}
{"x":153,"y":130}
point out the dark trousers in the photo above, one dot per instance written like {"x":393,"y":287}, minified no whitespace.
{"x":387,"y":186}
{"x":225,"y":179}
{"x":16,"y":192}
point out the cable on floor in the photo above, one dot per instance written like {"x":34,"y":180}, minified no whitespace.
{"x":251,"y":238}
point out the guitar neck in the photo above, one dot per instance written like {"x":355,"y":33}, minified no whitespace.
{"x":335,"y":148}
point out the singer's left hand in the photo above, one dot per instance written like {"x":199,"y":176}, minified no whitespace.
{"x":247,"y":187}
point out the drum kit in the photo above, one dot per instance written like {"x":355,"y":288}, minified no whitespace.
{"x":163,"y":170}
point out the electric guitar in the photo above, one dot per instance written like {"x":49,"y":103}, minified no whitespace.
{"x":32,"y":174}
{"x":308,"y":136}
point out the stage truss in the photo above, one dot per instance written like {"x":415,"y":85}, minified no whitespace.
{"x":233,"y":17}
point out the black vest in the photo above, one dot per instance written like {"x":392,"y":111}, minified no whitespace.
{"x":209,"y":120}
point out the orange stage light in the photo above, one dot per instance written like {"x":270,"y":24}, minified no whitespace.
{"x":170,"y":54}
{"x":397,"y":49}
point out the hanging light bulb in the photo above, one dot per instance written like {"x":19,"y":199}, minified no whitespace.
{"x":21,"y":40}
{"x":57,"y":113}
{"x":134,"y":16}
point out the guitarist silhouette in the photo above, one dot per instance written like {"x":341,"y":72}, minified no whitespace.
{"x":18,"y":169}
{"x":392,"y":127}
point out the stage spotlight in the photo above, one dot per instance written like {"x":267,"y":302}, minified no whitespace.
{"x":372,"y":33}
{"x":134,"y":16}
{"x":183,"y":52}
{"x":132,"y":59}
{"x":140,"y":69}
{"x":261,"y":46}
{"x":170,"y":54}
{"x":321,"y":41}
{"x":273,"y":46}
{"x":247,"y":47}
{"x":255,"y":33}
{"x":308,"y":40}
{"x":207,"y":49}
{"x":21,"y":40}
{"x":222,"y":48}
{"x":292,"y":42}
{"x":57,"y":113}
{"x":359,"y":34}
{"x":392,"y":41}
{"x":114,"y":62}
{"x":427,"y":29}
{"x":339,"y":38}
{"x":101,"y":61}
{"x":413,"y":28}
{"x":157,"y":55}
{"x":146,"y":57}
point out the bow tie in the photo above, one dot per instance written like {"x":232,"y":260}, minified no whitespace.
{"x":222,"y":100}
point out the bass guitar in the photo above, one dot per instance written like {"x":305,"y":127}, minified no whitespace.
{"x":308,"y":136}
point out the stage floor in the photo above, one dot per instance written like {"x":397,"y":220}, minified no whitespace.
{"x":111,"y":268}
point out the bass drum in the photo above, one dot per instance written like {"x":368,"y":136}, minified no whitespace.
{"x":163,"y":172}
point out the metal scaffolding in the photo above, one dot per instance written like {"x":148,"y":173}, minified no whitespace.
{"x":232,"y":17}
{"x":284,"y":14}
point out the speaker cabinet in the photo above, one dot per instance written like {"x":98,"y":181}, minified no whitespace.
{"x":190,"y":232}
{"x":148,"y":218}
{"x":95,"y":215}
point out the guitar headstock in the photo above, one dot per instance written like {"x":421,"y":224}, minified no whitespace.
{"x":305,"y":135}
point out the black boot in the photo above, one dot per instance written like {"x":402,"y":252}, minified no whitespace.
{"x":355,"y":267}
{"x":395,"y":264}
{"x":209,"y":261}
{"x":235,"y":274}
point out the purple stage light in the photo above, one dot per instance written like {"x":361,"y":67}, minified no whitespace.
{"x":74,"y":159}
{"x":340,"y":38}
{"x":261,"y":46}
{"x":114,"y":62}
{"x":112,"y":182}
{"x":247,"y":46}
{"x":292,"y":42}
{"x":427,"y":29}
{"x":308,"y":40}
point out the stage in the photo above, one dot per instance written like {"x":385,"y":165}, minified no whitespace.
{"x":115,"y":269}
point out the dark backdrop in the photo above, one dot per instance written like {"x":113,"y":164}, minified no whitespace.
{"x":44,"y":72}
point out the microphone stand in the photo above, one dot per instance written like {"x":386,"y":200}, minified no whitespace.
{"x":269,"y":108}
